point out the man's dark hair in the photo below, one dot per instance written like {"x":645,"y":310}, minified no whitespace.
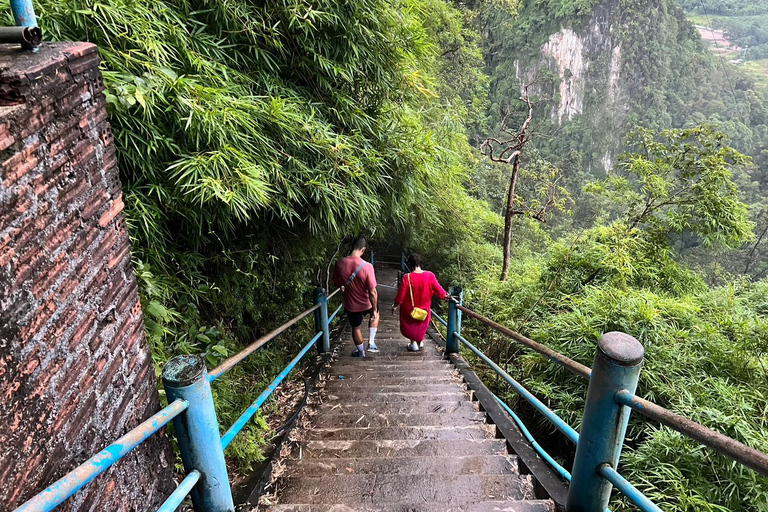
{"x":359,"y":243}
{"x":414,"y":260}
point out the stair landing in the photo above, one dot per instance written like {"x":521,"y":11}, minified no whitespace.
{"x":397,"y":431}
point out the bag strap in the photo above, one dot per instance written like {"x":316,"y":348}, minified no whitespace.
{"x":410,"y":289}
{"x":354,"y":275}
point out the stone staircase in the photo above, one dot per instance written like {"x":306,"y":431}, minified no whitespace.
{"x":397,"y":431}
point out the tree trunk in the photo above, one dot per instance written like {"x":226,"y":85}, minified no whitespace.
{"x":509,"y":214}
{"x":752,"y":251}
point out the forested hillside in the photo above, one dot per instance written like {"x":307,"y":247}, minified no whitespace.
{"x":255,"y":138}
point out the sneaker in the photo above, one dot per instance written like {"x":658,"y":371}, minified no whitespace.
{"x":413,"y":347}
{"x":421,"y":344}
{"x":357,"y":353}
{"x":373,"y":348}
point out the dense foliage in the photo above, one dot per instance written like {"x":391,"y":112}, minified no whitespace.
{"x":253,"y":137}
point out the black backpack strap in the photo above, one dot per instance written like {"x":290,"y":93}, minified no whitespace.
{"x":354,"y":275}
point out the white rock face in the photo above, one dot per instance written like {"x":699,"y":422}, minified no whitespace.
{"x":566,"y":48}
{"x":614,"y":73}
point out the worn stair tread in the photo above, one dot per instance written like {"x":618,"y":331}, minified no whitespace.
{"x":468,"y":465}
{"x":414,"y":407}
{"x":393,"y":374}
{"x":401,"y":448}
{"x":341,"y":386}
{"x":402,"y":382}
{"x":450,"y":433}
{"x":392,"y":363}
{"x":373,"y":489}
{"x":341,"y":397}
{"x":372,"y":420}
{"x":352,"y":395}
{"x":483,"y":506}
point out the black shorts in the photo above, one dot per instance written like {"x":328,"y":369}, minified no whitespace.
{"x":356,"y":318}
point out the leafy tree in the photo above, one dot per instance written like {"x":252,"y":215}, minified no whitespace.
{"x":681,"y":181}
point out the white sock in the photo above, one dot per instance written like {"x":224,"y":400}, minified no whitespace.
{"x":361,"y":349}
{"x":371,"y":342}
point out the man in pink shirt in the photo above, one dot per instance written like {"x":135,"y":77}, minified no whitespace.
{"x":357,"y":281}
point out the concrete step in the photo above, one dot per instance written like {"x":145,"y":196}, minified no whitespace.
{"x":389,"y":364}
{"x":400,"y":448}
{"x":371,"y":420}
{"x":415,"y":407}
{"x":343,"y":386}
{"x":352,"y":396}
{"x":353,"y":490}
{"x":374,"y":373}
{"x":346,"y":357}
{"x":483,"y":506}
{"x":362,"y":379}
{"x":473,"y":465}
{"x":361,"y":433}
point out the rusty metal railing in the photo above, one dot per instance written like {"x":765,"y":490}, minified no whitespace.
{"x":610,"y":399}
{"x":187,"y":384}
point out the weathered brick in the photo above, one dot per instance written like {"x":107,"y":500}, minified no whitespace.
{"x":6,"y":141}
{"x":39,"y":319}
{"x":84,"y":240}
{"x":76,"y":355}
{"x":106,"y":379}
{"x":86,"y":324}
{"x":115,"y":208}
{"x":94,"y":204}
{"x":44,"y":281}
{"x":62,"y":232}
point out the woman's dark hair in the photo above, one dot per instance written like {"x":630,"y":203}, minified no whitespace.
{"x":414,"y":260}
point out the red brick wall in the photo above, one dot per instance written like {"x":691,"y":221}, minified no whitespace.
{"x":75,"y":369}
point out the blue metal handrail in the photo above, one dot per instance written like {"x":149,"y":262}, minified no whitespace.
{"x":610,"y":398}
{"x":69,"y":484}
{"x":236,"y":427}
{"x":550,"y":415}
{"x":184,"y":488}
{"x":209,"y":488}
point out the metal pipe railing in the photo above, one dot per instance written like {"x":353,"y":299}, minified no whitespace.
{"x":564,"y":474}
{"x":627,"y":489}
{"x":553,"y":418}
{"x":229,"y":363}
{"x":741,"y":453}
{"x":177,"y":496}
{"x":254,"y":407}
{"x":76,"y":479}
{"x":555,"y":357}
{"x":618,"y":347}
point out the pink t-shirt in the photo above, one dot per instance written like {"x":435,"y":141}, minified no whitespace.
{"x":356,"y":298}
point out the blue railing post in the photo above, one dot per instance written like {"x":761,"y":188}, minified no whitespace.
{"x":321,"y":320}
{"x":454,"y":321}
{"x":23,"y":13}
{"x":617,"y":366}
{"x":403,"y":266}
{"x":197,"y":431}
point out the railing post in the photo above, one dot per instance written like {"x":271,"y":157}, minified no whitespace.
{"x":23,"y":13}
{"x":617,"y":366}
{"x":403,"y":266}
{"x":454,"y":322}
{"x":321,"y":320}
{"x":197,"y":431}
